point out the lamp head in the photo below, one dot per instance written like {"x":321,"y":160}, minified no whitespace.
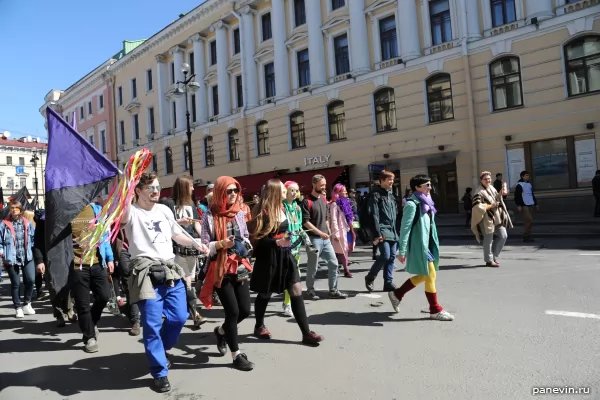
{"x":185,"y":68}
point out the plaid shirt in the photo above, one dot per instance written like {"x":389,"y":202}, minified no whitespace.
{"x":20,"y":240}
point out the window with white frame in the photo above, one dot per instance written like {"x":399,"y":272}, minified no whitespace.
{"x":441,"y":22}
{"x":89,"y":108}
{"x":172,"y":72}
{"x":388,"y":38}
{"x":22,"y":161}
{"x":582,"y":58}
{"x":503,"y":12}
{"x":336,"y":119}
{"x":173,"y":115}
{"x":136,"y":126}
{"x":155,"y":163}
{"x":266,"y":26}
{"x":215,"y":100}
{"x":439,"y":98}
{"x":8,"y":160}
{"x":213,"y":52}
{"x":133,"y":88}
{"x":81,"y":113}
{"x":122,"y":132}
{"x":149,"y":83}
{"x":191,"y":63}
{"x":239,"y":91}
{"x":168,"y":160}
{"x":270,"y":89}
{"x":385,"y":110}
{"x":342,"y":55}
{"x":209,"y":155}
{"x":303,"y":68}
{"x":335,"y":4}
{"x":505,"y":79}
{"x":151,"y":126}
{"x":193,"y":105}
{"x":299,"y":13}
{"x":103,"y":141}
{"x":233,"y":138}
{"x":101,"y":102}
{"x":236,"y":41}
{"x":120,"y":96}
{"x":91,"y":139}
{"x":297,"y":131}
{"x":23,"y":181}
{"x":262,"y":138}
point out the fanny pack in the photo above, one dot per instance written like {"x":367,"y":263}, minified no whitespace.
{"x":157,"y":274}
{"x":186,"y":251}
{"x":242,"y":273}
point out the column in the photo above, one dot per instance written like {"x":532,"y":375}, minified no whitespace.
{"x":361,"y":61}
{"x":316,"y":50}
{"x":542,"y":9}
{"x":410,"y":47}
{"x":222,"y":74}
{"x":179,"y":100}
{"x":472,"y":16}
{"x":282,"y":67}
{"x":163,"y":107}
{"x":250,"y":78}
{"x":200,"y":69}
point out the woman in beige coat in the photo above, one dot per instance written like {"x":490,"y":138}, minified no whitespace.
{"x":490,"y":218}
{"x":338,"y":223}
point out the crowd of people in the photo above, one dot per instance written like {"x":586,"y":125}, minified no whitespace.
{"x":231,"y":248}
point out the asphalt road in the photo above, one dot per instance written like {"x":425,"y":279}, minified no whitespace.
{"x":509,"y":337}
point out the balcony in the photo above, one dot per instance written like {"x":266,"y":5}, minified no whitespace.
{"x":304,"y":89}
{"x":152,"y":136}
{"x":341,"y":77}
{"x":137,"y":143}
{"x":268,"y":100}
{"x":122,"y":148}
{"x":577,"y":6}
{"x":388,"y":63}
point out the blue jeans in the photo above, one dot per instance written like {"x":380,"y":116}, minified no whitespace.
{"x":159,"y":336}
{"x":387,"y":254}
{"x":327,"y":253}
{"x":15,"y":282}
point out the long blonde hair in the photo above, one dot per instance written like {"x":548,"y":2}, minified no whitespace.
{"x":29,"y":215}
{"x":266,"y":213}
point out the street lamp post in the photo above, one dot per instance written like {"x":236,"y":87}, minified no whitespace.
{"x":189,"y":85}
{"x":34,"y":161}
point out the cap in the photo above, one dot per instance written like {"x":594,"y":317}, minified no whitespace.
{"x":210,"y":186}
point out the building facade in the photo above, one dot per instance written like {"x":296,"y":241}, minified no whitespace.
{"x":444,"y":87}
{"x":22,"y":164}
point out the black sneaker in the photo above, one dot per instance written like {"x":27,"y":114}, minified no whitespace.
{"x":389,"y":287}
{"x":221,"y":342}
{"x":60,"y":320}
{"x":311,"y":295}
{"x":369,"y":284}
{"x":241,"y":362}
{"x":336,"y":294}
{"x":161,"y":385}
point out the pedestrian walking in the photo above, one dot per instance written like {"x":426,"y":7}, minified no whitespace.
{"x":341,"y":218}
{"x":467,"y":200}
{"x":420,"y":248}
{"x":490,"y":218}
{"x":294,"y":218}
{"x":526,"y":202}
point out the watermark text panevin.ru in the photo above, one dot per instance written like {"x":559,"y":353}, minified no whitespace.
{"x":561,"y":390}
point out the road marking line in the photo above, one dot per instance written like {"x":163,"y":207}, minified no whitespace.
{"x":572,"y":314}
{"x":588,"y":254}
{"x":369,"y":295}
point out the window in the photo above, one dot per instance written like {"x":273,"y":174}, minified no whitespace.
{"x":335,"y":4}
{"x":10,"y":182}
{"x":303,"y":68}
{"x":262,"y":138}
{"x":105,"y":190}
{"x":503,"y":12}
{"x":299,"y":12}
{"x":122,"y":131}
{"x":209,"y":155}
{"x":441,"y":27}
{"x":385,"y":110}
{"x":133,"y":89}
{"x":172,"y":65}
{"x":297,"y":130}
{"x":185,"y":156}
{"x":270,"y":80}
{"x":120,"y":95}
{"x":193,"y":103}
{"x":236,"y":41}
{"x":505,"y":77}
{"x":67,"y":118}
{"x":103,"y":141}
{"x":239,"y":88}
{"x":23,"y":181}
{"x":101,"y":101}
{"x":81,"y":115}
{"x":148,"y":80}
{"x":155,"y":163}
{"x":191,"y":63}
{"x":550,"y":164}
{"x":174,"y":115}
{"x":342,"y":59}
{"x":151,"y":120}
{"x":215,"y":100}
{"x":439,"y":98}
{"x":89,"y":108}
{"x":22,"y":161}
{"x":388,"y":38}
{"x":266,"y":27}
{"x":213,"y":52}
{"x":337,"y":121}
{"x":91,"y":139}
{"x":234,"y":140}
{"x":169,"y":160}
{"x":136,"y":127}
{"x":583,"y":65}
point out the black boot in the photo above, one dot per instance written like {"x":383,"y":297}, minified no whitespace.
{"x":161,"y":385}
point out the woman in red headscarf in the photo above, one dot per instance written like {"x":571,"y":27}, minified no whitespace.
{"x":224,"y":231}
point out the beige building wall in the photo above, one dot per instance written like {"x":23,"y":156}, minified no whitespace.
{"x":457,"y":149}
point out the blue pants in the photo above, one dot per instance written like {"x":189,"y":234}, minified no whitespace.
{"x":15,"y":282}
{"x":160,"y":336}
{"x":387,"y":254}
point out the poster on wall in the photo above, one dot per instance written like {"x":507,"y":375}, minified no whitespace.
{"x":585,"y":156}
{"x":515,"y":161}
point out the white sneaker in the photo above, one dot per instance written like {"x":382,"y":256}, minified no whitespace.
{"x":287,"y":310}
{"x":394,"y":300}
{"x":442,"y":316}
{"x":28,"y":309}
{"x":19,"y":313}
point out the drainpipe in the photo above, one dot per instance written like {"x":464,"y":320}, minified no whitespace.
{"x":111,"y":82}
{"x":470,"y":107}
{"x":245,"y":93}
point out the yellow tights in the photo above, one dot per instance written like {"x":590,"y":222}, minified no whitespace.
{"x":429,"y":280}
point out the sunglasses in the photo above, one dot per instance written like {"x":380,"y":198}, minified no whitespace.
{"x":232,"y":191}
{"x":427,"y":185}
{"x":154,"y":188}
{"x":15,"y":208}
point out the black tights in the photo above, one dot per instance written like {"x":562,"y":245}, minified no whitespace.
{"x":235,"y":298}
{"x":297,"y":303}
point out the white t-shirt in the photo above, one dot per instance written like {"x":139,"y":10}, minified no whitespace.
{"x":150,"y":232}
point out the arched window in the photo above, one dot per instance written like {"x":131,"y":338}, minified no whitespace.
{"x":583,"y":65}
{"x":385,"y":110}
{"x":336,"y":120}
{"x":234,"y":140}
{"x":505,"y":75}
{"x":262,"y":138}
{"x":209,"y":155}
{"x":439,"y":98}
{"x":169,"y":160}
{"x":297,"y":130}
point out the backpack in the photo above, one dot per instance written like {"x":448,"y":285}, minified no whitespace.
{"x":366,"y":232}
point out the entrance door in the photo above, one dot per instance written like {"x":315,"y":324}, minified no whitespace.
{"x":444,"y":187}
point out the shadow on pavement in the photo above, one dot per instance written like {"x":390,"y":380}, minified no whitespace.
{"x":461,"y":266}
{"x":355,"y":319}
{"x":37,"y":344}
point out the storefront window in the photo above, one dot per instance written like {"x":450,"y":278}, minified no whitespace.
{"x":550,"y":164}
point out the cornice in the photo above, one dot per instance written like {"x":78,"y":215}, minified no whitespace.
{"x":196,"y":38}
{"x":218,"y":25}
{"x":162,"y":37}
{"x":176,"y":49}
{"x":81,"y":88}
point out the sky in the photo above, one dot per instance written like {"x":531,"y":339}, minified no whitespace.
{"x":49,"y":45}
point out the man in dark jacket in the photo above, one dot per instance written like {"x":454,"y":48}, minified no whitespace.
{"x":596,"y":189}
{"x":526,"y":201}
{"x":498,"y":184}
{"x":384,"y":209}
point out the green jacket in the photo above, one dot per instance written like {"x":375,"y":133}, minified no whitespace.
{"x":416,"y":252}
{"x":384,"y":209}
